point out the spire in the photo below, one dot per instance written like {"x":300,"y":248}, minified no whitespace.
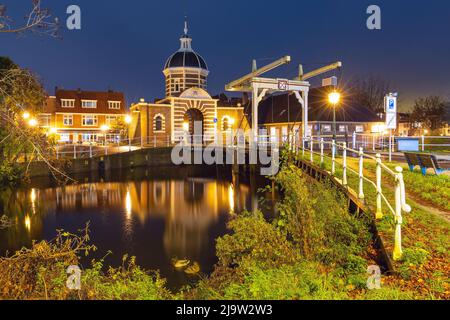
{"x":185,"y":39}
{"x":185,"y":26}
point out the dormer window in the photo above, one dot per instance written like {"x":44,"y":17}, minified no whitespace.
{"x":114,"y":105}
{"x":67,"y":103}
{"x":89,"y":104}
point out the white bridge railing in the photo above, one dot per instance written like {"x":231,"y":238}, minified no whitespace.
{"x":396,"y":209}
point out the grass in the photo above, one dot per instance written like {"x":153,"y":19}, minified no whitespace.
{"x":421,"y":230}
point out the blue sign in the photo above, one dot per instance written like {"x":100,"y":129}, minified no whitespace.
{"x":391,"y":103}
{"x":215,"y":120}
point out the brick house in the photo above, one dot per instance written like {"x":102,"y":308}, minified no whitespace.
{"x":83,"y":116}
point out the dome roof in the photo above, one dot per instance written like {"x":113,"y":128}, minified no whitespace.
{"x":185,"y":58}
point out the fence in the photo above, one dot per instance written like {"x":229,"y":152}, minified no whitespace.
{"x":91,"y":149}
{"x":396,"y":209}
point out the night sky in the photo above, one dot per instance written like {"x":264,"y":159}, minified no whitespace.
{"x":123,"y":44}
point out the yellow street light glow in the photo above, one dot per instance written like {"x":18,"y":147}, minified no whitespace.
{"x":26,"y":115}
{"x":127,"y":119}
{"x":334,"y":97}
{"x":104,"y":127}
{"x":231,"y":121}
{"x":53,"y":130}
{"x":33,"y":122}
{"x":185,"y":126}
{"x":425,"y":131}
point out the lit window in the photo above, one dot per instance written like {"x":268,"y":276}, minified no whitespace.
{"x":342,"y":128}
{"x":111,"y":120}
{"x":89,"y":104}
{"x":359,"y":129}
{"x":326,"y":127}
{"x":68,"y":120}
{"x":114,"y":104}
{"x":67,"y":103}
{"x":64,"y":137}
{"x":89,"y":120}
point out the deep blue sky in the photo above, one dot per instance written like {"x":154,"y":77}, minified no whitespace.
{"x":124,"y":44}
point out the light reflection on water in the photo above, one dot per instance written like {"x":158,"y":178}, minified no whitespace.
{"x":154,"y":220}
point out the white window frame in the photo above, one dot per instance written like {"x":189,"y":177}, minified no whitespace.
{"x":67,"y":103}
{"x":68,"y":117}
{"x":94,"y":118}
{"x":89,"y":101}
{"x":115,"y":105}
{"x":45,"y":120}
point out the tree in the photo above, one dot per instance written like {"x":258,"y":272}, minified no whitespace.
{"x":20,"y":92}
{"x":38,"y":20}
{"x":369,"y":92}
{"x":430,"y":112}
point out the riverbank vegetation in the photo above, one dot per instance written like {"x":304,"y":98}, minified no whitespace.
{"x":312,"y":249}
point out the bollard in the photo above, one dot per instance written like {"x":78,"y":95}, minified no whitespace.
{"x":129,"y":143}
{"x":154,"y":141}
{"x":423,"y":143}
{"x":321,"y":152}
{"x":74,"y":151}
{"x":344,"y":164}
{"x":379,"y":213}
{"x":361,"y":176}
{"x":90,"y":149}
{"x":311,"y":154}
{"x":333,"y":156}
{"x":373,"y":142}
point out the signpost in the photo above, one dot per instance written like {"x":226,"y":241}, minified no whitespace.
{"x":390,"y":107}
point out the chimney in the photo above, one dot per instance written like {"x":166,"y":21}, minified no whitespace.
{"x":79,"y":90}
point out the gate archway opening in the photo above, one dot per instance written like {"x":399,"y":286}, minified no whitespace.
{"x":193,"y":123}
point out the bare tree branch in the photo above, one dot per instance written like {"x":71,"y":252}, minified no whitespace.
{"x":39,"y":20}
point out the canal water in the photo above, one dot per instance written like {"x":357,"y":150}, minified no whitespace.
{"x":156,"y":215}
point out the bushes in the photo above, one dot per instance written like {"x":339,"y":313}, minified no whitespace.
{"x":254,"y":239}
{"x":318,"y":222}
{"x":40,"y":273}
{"x":312,"y":250}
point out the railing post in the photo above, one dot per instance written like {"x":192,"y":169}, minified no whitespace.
{"x":57,"y":154}
{"x":379,"y":213}
{"x":423,"y":143}
{"x":321,"y":151}
{"x":333,"y":156}
{"x":361,"y":176}
{"x":74,"y":151}
{"x":168,"y":141}
{"x":311,"y":150}
{"x":90,"y":149}
{"x":129,"y":143}
{"x":397,"y":253}
{"x":154,"y":141}
{"x":303,"y":146}
{"x":344,"y":164}
{"x":373,"y":142}
{"x":354,"y":140}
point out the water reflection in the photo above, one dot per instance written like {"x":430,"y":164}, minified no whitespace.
{"x":155,"y":220}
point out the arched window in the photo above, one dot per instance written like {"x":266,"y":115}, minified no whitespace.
{"x":158,"y":123}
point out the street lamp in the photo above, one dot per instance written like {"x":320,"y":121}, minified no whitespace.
{"x":127,"y":119}
{"x":26,"y":115}
{"x":33,"y":122}
{"x":334,"y":98}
